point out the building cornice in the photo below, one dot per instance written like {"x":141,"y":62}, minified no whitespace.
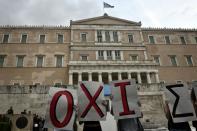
{"x":34,"y":27}
{"x":168,"y":29}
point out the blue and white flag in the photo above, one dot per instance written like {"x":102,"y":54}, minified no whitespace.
{"x":106,"y":5}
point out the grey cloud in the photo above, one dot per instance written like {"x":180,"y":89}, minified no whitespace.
{"x":48,"y":12}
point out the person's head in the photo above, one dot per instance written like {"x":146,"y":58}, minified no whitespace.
{"x":139,"y":103}
{"x":10,"y":107}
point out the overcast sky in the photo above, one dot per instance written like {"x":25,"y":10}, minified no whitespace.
{"x":152,"y":13}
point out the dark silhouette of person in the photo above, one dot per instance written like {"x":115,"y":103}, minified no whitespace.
{"x":10,"y":111}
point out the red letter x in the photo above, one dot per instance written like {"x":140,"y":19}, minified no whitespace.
{"x":122,"y":86}
{"x":92,"y":101}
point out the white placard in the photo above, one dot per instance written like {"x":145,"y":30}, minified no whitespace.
{"x":90,"y":97}
{"x":60,"y":113}
{"x":179,"y":103}
{"x":125,"y":99}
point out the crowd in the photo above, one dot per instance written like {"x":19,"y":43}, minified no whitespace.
{"x":6,"y":123}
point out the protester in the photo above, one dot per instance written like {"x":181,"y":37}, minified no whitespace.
{"x":91,"y":126}
{"x":35,"y":123}
{"x":194,"y":102}
{"x":24,"y":112}
{"x":10,"y":111}
{"x":5,"y":123}
{"x":181,"y":126}
{"x":130,"y":124}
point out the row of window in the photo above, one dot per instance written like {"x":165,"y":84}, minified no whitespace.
{"x":24,"y":38}
{"x":174,"y":61}
{"x":39,"y":60}
{"x":38,"y":84}
{"x":168,"y":40}
{"x":107,"y":36}
{"x":104,"y":55}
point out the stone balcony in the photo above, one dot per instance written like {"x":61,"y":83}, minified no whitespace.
{"x":113,"y":62}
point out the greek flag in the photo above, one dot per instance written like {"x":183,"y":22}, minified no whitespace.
{"x":106,"y":5}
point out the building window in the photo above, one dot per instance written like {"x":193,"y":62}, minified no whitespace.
{"x":58,"y":84}
{"x":189,"y":60}
{"x":115,"y":35}
{"x":24,"y":38}
{"x":60,"y":38}
{"x":59,"y":60}
{"x":2,"y":59}
{"x":107,"y":36}
{"x":37,"y":84}
{"x":101,"y":55}
{"x":6,"y":38}
{"x":40,"y":60}
{"x":117,"y":55}
{"x":162,"y":82}
{"x":16,"y":84}
{"x":179,"y":82}
{"x":20,"y":59}
{"x":134,"y":57}
{"x":83,"y":37}
{"x":130,"y":38}
{"x":99,"y":36}
{"x":173,"y":60}
{"x":195,"y":39}
{"x":84,"y":57}
{"x":156,"y":59}
{"x":109,"y":55}
{"x":182,"y":40}
{"x":42,"y":39}
{"x":151,"y":39}
{"x":167,"y":39}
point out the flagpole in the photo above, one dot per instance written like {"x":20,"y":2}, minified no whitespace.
{"x":103,"y":8}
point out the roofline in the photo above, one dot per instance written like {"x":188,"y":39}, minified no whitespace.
{"x":167,"y":29}
{"x":34,"y":27}
{"x":104,"y":16}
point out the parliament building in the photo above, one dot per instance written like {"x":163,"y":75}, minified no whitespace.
{"x":103,"y":48}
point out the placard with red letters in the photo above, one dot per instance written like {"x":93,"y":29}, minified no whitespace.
{"x":125,"y":103}
{"x":179,"y":103}
{"x":60,"y":113}
{"x":90,"y":97}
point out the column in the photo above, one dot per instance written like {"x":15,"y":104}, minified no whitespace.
{"x":148,"y":77}
{"x":119,"y":76}
{"x":109,"y":76}
{"x":157,"y":77}
{"x":89,"y":76}
{"x":111,"y":36}
{"x":96,"y":40}
{"x":121,"y":55}
{"x":119,"y":36}
{"x":70,"y":78}
{"x":100,"y":76}
{"x":129,"y":75}
{"x":79,"y":76}
{"x":103,"y":36}
{"x":105,"y":54}
{"x":145,"y":55}
{"x":139,"y":78}
{"x":113,"y":55}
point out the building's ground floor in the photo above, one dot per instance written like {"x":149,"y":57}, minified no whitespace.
{"x":103,"y":73}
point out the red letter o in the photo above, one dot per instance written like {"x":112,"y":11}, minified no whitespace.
{"x":53,"y":105}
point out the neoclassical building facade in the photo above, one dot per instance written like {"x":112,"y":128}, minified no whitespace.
{"x":103,"y":48}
